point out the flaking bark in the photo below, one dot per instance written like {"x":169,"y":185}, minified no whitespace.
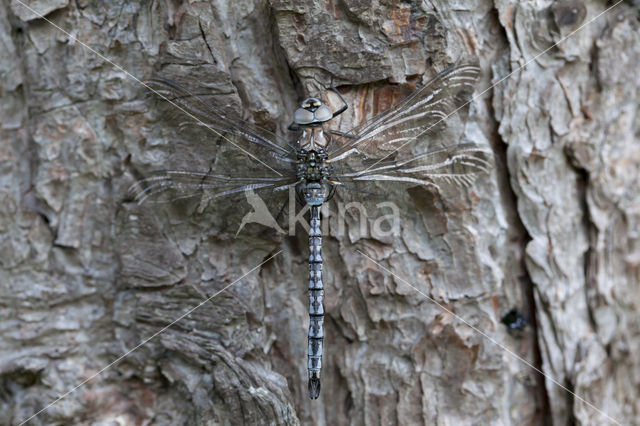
{"x":552,"y":231}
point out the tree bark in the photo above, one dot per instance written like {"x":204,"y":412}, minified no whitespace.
{"x":87,"y":275}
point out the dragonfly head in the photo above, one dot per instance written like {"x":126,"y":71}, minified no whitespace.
{"x":311,"y":104}
{"x":312,"y":112}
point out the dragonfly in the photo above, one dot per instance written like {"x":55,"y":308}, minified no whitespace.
{"x":393,"y":147}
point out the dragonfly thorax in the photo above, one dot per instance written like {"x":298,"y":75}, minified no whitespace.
{"x":313,"y":139}
{"x":312,"y":172}
{"x":312,"y":165}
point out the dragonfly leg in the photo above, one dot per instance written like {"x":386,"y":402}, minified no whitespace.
{"x":343,"y":134}
{"x":344,"y":107}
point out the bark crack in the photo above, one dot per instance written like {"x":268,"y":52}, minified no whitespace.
{"x":590,"y":259}
{"x":206,"y":42}
{"x":510,"y":201}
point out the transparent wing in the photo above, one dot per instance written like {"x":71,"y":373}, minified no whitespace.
{"x":203,"y":119}
{"x":232,"y":201}
{"x":166,"y":186}
{"x":216,"y":160}
{"x":458,"y":164}
{"x":423,"y":112}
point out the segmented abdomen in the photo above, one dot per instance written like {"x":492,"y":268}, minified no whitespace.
{"x":316,"y":308}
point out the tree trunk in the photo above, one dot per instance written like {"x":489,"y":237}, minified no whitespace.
{"x":550,"y":235}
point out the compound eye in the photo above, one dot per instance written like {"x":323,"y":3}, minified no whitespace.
{"x":302,"y":116}
{"x":323,"y":113}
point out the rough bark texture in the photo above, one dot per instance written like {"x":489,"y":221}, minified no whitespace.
{"x":553,"y":231}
